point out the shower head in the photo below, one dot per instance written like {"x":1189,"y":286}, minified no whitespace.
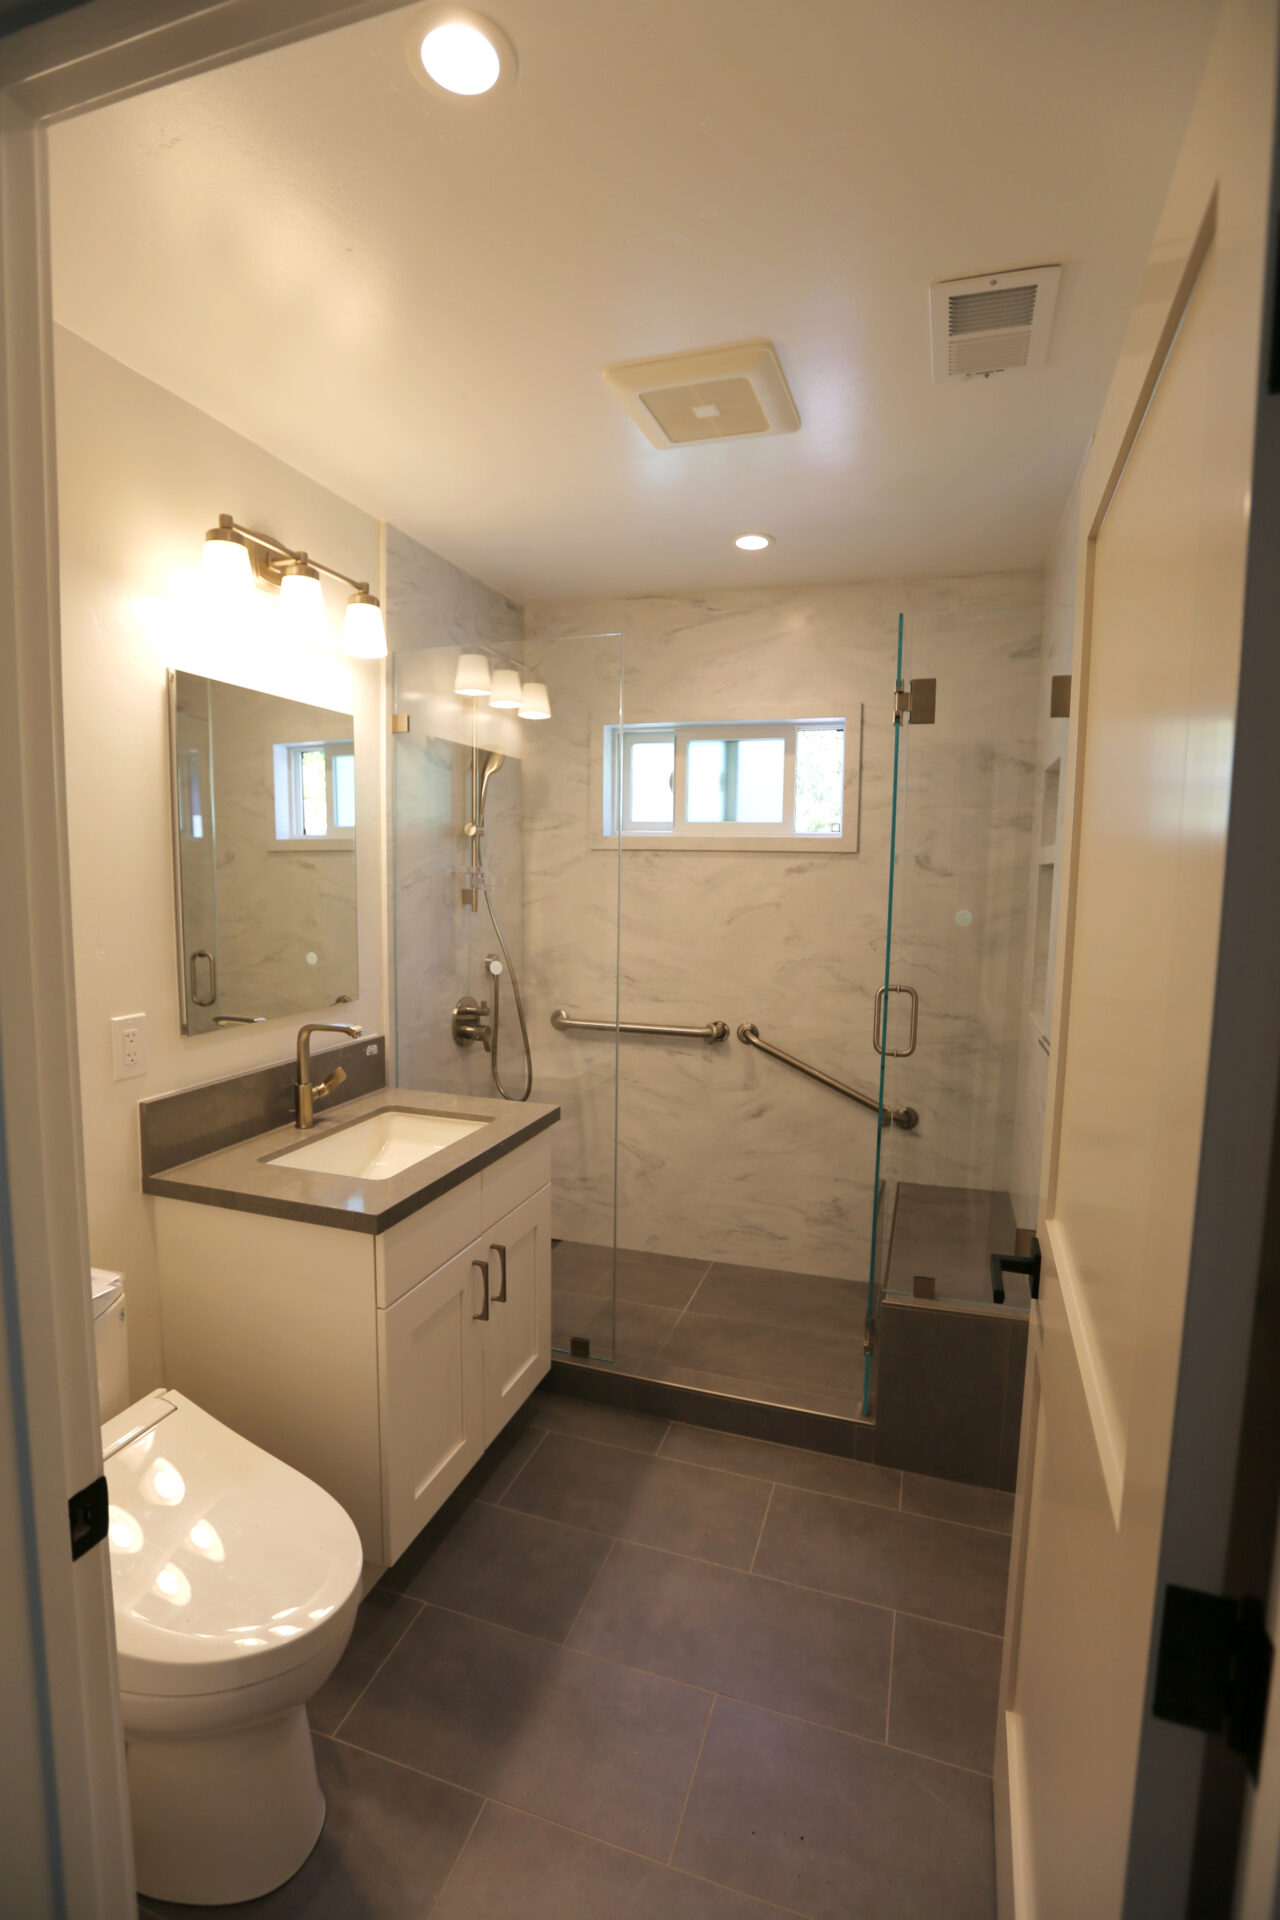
{"x":492,"y":762}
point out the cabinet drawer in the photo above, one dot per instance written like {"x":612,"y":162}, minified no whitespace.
{"x":515,"y":1177}
{"x":409,"y":1252}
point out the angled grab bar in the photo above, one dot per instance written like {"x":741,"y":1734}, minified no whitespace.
{"x":905,"y":1117}
{"x":563,"y":1022}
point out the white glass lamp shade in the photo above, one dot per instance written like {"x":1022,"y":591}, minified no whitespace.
{"x":363,"y":633}
{"x":471,"y":677}
{"x":535,"y":705}
{"x":302,"y":609}
{"x":459,"y":51}
{"x":225,"y":568}
{"x":505,"y":690}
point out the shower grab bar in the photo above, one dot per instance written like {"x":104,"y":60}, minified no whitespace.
{"x":563,"y":1022}
{"x":905,"y":1117}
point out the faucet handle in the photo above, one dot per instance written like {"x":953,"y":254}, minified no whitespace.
{"x":335,"y":1079}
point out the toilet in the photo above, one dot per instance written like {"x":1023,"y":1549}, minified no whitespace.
{"x":236,"y":1582}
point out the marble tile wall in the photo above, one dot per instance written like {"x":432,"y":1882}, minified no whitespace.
{"x":437,"y":945}
{"x":724,"y":1154}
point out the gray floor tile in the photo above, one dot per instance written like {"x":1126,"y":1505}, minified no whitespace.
{"x":647,"y":1279}
{"x":580,"y":1267}
{"x":595,"y":1746}
{"x":502,"y":1461}
{"x":632,"y":1333}
{"x":793,"y":1466}
{"x":954,"y":1500}
{"x":390,"y":1837}
{"x":759,"y":1640}
{"x":831,"y":1826}
{"x":382,"y":1616}
{"x":809,"y":1302}
{"x":613,"y":1426}
{"x":830,"y":1363}
{"x":517,"y":1868}
{"x":659,"y":1503}
{"x":513,"y":1568}
{"x":930,"y":1567}
{"x":946,"y":1687}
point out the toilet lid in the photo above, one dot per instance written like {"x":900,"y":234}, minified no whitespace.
{"x":225,"y":1563}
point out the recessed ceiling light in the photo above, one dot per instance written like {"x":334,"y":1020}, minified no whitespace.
{"x":459,"y":51}
{"x":753,"y":542}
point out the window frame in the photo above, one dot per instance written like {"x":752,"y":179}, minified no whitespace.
{"x":611,"y":786}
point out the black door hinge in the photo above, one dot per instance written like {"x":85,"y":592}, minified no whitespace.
{"x":1213,"y":1669}
{"x":88,"y":1511}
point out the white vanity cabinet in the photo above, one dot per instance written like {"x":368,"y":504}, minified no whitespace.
{"x":380,"y":1365}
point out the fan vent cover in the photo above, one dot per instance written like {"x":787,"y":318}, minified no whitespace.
{"x":722,"y":393}
{"x":992,"y":322}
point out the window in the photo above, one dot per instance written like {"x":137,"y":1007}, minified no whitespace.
{"x":315,"y":790}
{"x":778,"y":780}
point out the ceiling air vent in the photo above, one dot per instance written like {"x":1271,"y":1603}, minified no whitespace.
{"x":992,"y":322}
{"x":721,"y":393}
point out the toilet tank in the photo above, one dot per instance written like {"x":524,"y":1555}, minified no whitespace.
{"x":111,"y":1342}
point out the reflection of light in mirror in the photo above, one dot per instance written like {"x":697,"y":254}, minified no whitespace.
{"x":123,"y":1531}
{"x":172,"y":1583}
{"x":164,"y":1484}
{"x":206,"y":1540}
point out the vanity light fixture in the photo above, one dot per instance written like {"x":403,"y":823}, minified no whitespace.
{"x":471,"y":678}
{"x":505,"y":689}
{"x":235,"y":556}
{"x":535,"y":705}
{"x":753,"y":542}
{"x":459,"y":51}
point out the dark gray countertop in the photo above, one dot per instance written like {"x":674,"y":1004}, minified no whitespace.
{"x":243,"y":1177}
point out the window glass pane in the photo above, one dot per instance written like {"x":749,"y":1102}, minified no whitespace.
{"x":819,"y":779}
{"x":705,"y":764}
{"x":761,"y":765}
{"x":652,"y":768}
{"x":312,"y":783}
{"x":344,"y":791}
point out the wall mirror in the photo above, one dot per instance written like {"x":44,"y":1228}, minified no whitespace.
{"x":264,"y":854}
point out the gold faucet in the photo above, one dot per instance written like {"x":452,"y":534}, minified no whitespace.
{"x":304,"y":1094}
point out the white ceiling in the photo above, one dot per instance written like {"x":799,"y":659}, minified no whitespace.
{"x":410,"y":297}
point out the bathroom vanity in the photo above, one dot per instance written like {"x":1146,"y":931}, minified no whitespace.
{"x":369,"y":1300}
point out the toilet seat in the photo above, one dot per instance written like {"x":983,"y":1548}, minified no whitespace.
{"x":229,"y":1568}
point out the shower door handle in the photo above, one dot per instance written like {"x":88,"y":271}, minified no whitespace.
{"x":1002,"y":1263}
{"x":484,"y":1269}
{"x":500,"y":1297}
{"x":878,"y":1023}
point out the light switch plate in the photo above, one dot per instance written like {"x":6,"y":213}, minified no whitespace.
{"x":128,"y":1045}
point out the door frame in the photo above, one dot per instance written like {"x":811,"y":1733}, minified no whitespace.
{"x":65,"y":1849}
{"x":1220,"y":1513}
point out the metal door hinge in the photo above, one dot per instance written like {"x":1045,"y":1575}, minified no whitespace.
{"x":916,"y":701}
{"x":87,"y":1511}
{"x":1213,"y":1669}
{"x":399,"y":723}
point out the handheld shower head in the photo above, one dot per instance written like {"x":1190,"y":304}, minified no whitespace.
{"x":492,"y":762}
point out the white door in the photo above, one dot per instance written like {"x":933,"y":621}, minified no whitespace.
{"x":431,"y":1392}
{"x":517,"y":1345}
{"x":1159,"y":622}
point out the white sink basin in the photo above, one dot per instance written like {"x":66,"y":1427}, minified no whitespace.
{"x":384,"y":1144}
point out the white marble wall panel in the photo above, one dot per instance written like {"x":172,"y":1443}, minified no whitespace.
{"x":723,"y":1153}
{"x":438,"y":945}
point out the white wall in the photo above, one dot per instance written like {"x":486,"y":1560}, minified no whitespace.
{"x":140,"y":476}
{"x":725,"y":1154}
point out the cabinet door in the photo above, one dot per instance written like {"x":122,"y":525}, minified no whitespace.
{"x":431,"y":1362}
{"x":517,"y":1345}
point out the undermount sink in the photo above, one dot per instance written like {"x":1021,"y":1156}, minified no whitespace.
{"x":384,"y":1144}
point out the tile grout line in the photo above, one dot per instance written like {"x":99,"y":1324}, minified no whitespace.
{"x":484,"y":1801}
{"x":587,"y":1595}
{"x":418,"y":1605}
{"x":688,"y":1792}
{"x":888,"y":1703}
{"x":768,"y":1508}
{"x":499,"y":1498}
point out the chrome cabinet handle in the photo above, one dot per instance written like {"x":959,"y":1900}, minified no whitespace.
{"x":501,"y":1295}
{"x":202,"y":953}
{"x":484,"y":1268}
{"x":877,"y":1023}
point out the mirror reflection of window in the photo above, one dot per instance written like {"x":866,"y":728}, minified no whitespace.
{"x":315,"y":790}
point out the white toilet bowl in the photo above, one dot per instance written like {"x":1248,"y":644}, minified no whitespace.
{"x":236,"y":1582}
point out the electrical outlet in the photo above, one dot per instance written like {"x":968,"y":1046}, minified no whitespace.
{"x":128,"y":1045}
